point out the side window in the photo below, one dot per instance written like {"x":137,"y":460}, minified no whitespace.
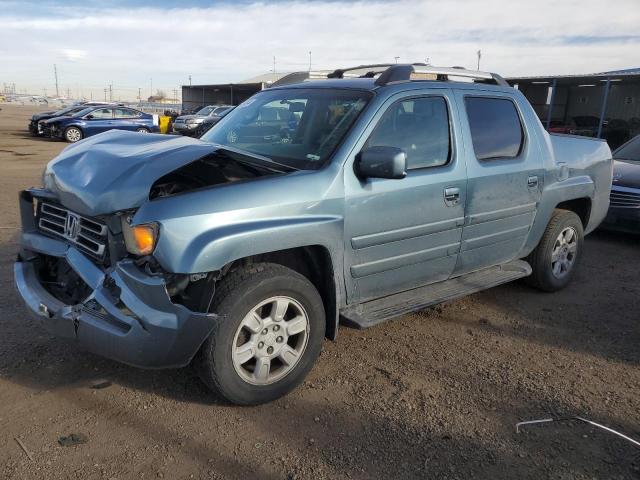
{"x":102,"y":113}
{"x":495,"y":125}
{"x":419,"y":126}
{"x":125,"y":113}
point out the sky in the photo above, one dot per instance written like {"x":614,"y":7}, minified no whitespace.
{"x":157,"y":44}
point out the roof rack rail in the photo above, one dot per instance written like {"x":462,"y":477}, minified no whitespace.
{"x":403,"y":73}
{"x":388,"y":73}
{"x":371,"y":70}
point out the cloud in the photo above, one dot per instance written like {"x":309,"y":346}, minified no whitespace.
{"x":231,"y":41}
{"x":73,"y":55}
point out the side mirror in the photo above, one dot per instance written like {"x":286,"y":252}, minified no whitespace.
{"x":89,"y":117}
{"x":381,"y":162}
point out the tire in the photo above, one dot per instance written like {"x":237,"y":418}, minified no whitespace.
{"x":73,"y":134}
{"x":239,"y":294}
{"x":142,"y":130}
{"x":546,"y":275}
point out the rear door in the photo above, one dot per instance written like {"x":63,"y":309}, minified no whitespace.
{"x":504,"y":168}
{"x":125,"y":119}
{"x":400,"y":234}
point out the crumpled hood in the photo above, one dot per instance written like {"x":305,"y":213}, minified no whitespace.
{"x":40,"y":116}
{"x":51,"y":120}
{"x":626,"y":174}
{"x":115,"y":170}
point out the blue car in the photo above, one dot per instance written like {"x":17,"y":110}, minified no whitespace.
{"x":97,"y":119}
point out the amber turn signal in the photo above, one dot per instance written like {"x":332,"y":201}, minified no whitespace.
{"x":145,"y":238}
{"x":139,"y":239}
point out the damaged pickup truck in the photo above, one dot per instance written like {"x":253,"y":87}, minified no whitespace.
{"x":362,"y":196}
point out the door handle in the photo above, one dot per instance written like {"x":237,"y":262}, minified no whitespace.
{"x":451,"y":196}
{"x":532,"y":181}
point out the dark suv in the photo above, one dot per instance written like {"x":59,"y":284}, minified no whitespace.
{"x":188,"y":124}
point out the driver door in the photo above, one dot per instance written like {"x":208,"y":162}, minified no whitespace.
{"x":101,"y":120}
{"x":401,"y":234}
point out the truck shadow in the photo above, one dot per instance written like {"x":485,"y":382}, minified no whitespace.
{"x":596,"y":314}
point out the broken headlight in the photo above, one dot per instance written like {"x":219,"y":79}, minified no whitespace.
{"x":139,"y":239}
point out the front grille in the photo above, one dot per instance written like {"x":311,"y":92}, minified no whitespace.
{"x":624,"y":199}
{"x":44,"y":129}
{"x":90,"y":236}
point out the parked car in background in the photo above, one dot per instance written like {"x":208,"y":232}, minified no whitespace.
{"x":93,"y":120}
{"x":624,"y":207}
{"x":239,"y":252}
{"x":191,"y":110}
{"x":614,"y":131}
{"x":35,"y":129}
{"x":210,"y":121}
{"x":188,"y":124}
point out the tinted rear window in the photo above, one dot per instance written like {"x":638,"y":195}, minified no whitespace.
{"x":495,"y":125}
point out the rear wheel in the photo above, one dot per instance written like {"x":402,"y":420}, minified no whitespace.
{"x":268,"y":336}
{"x":555,"y":258}
{"x":73,"y":134}
{"x":142,"y":130}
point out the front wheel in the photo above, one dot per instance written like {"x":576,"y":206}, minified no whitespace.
{"x":268,"y":335}
{"x":142,"y":130}
{"x":555,"y":258}
{"x":73,"y":134}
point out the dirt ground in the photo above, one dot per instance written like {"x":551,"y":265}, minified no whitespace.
{"x":435,"y":394}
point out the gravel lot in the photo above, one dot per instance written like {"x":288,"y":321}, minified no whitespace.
{"x":435,"y":394}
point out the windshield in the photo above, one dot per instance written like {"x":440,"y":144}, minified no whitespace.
{"x":220,"y":110}
{"x":629,"y":151}
{"x":65,"y":111}
{"x":300,"y":128}
{"x":83,"y":112}
{"x":205,"y":111}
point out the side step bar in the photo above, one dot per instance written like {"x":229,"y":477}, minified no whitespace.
{"x":376,"y":311}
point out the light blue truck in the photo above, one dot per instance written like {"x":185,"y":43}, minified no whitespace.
{"x":372,"y":192}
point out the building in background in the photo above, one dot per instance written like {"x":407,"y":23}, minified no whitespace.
{"x":195,"y":96}
{"x":602,"y":105}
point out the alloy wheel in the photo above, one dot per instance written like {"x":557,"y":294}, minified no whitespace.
{"x":270,"y":340}
{"x":564,"y":252}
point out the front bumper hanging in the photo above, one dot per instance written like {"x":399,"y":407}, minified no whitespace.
{"x":128,"y":316}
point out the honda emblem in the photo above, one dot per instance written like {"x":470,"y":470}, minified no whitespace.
{"x":72,"y":226}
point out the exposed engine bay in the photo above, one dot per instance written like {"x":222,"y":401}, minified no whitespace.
{"x":221,"y":167}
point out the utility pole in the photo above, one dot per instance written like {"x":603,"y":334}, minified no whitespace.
{"x":396,"y":59}
{"x":55,"y":74}
{"x":105,"y":94}
{"x":111,"y":91}
{"x":479,"y":57}
{"x":189,"y":80}
{"x":309,"y":60}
